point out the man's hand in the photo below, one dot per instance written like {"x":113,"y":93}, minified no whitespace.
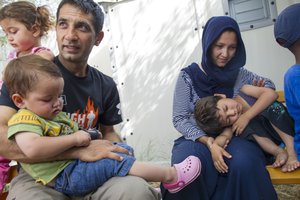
{"x":217,"y":154}
{"x":99,"y":149}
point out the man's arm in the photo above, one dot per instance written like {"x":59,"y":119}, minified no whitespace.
{"x":97,"y":149}
{"x":8,"y":149}
{"x":109,"y":133}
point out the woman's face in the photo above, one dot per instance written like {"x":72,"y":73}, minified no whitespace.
{"x":223,"y":50}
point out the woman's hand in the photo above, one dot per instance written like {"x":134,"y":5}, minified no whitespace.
{"x":217,"y":154}
{"x":258,"y":83}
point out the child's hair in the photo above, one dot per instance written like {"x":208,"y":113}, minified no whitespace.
{"x":287,"y":26}
{"x":207,"y":115}
{"x":22,"y":74}
{"x":28,"y":14}
{"x":88,"y":7}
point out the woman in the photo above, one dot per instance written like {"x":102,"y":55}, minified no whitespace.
{"x":220,"y":72}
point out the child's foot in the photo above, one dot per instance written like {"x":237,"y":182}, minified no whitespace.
{"x":281,"y":158}
{"x":291,"y":165}
{"x":187,"y":171}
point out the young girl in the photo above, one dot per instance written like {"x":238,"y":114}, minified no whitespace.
{"x":24,"y":25}
{"x":41,"y":130}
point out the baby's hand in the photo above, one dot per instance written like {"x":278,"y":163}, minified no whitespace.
{"x":82,"y":138}
{"x":240,"y":124}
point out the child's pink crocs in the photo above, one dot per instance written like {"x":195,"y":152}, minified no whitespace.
{"x":187,"y":171}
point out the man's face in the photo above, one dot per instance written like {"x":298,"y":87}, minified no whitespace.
{"x":75,"y":34}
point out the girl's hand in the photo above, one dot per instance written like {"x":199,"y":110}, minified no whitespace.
{"x":82,"y":138}
{"x":239,"y":126}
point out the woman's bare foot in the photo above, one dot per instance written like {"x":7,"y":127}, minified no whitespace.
{"x":291,"y":164}
{"x":281,"y":158}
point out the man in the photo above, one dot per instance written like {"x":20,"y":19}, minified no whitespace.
{"x":79,"y":28}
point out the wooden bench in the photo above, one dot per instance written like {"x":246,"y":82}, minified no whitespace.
{"x":277,"y":176}
{"x":280,"y":178}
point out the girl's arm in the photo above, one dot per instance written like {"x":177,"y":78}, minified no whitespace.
{"x":265,"y":97}
{"x":35,"y":146}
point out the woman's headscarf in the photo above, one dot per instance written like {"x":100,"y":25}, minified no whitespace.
{"x":216,"y":79}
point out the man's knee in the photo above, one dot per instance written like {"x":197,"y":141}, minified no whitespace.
{"x":124,"y":188}
{"x":25,"y":188}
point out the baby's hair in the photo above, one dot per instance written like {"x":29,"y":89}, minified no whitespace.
{"x":28,"y":14}
{"x":22,"y":74}
{"x":207,"y":115}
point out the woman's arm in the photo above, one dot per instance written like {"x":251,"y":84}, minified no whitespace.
{"x":247,"y":77}
{"x":109,"y":133}
{"x":217,"y":150}
{"x":35,"y":146}
{"x":183,"y":109}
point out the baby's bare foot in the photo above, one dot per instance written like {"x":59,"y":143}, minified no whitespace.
{"x":281,"y":158}
{"x":291,"y":165}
